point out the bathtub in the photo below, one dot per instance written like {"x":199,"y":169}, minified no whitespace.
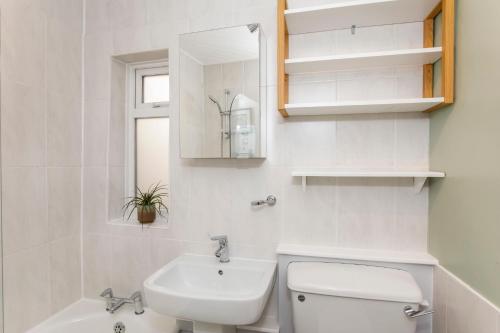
{"x":90,"y":316}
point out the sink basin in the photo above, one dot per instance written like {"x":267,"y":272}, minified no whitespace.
{"x":201,"y":289}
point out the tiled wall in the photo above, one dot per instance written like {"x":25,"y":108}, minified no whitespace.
{"x":41,"y":75}
{"x":460,"y":309}
{"x":213,"y":196}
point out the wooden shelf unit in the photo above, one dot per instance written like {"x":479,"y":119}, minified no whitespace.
{"x":369,"y":13}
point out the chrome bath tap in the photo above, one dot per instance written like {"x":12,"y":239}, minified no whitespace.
{"x":223,"y":251}
{"x":115,"y":303}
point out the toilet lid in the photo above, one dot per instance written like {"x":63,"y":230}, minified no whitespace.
{"x":354,"y":281}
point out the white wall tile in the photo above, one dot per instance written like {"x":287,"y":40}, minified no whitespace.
{"x":459,"y":308}
{"x":366,"y":213}
{"x":309,"y":217}
{"x":411,"y":216}
{"x":41,"y":157}
{"x":97,"y":62}
{"x":209,"y":14}
{"x":96,"y":264}
{"x":365,"y":39}
{"x":409,"y":36}
{"x":409,"y":81}
{"x":126,"y":13}
{"x":64,"y":130}
{"x":64,"y":207}
{"x":131,"y":40}
{"x":23,"y":42}
{"x":412,"y":142}
{"x":116,"y":191}
{"x":96,"y":120}
{"x":66,"y":12}
{"x":23,"y":106}
{"x":466,"y":312}
{"x":64,"y":55}
{"x":311,"y":143}
{"x":365,"y":141}
{"x":117,"y":115}
{"x":440,"y":284}
{"x":313,"y":88}
{"x":94,"y":200}
{"x":312,"y":45}
{"x":96,"y":16}
{"x":24,"y":226}
{"x":27,"y":297}
{"x":130,"y":262}
{"x":65,"y":274}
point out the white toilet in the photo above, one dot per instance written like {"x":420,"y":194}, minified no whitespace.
{"x":348,"y":298}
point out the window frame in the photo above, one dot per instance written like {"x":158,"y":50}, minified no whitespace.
{"x":135,"y":73}
{"x":140,"y":73}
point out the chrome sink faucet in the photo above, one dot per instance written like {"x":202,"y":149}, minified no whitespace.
{"x":114,"y":303}
{"x":223,"y":252}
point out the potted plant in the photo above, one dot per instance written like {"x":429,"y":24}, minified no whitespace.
{"x":147,"y":204}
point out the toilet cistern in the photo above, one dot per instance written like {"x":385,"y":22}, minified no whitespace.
{"x":223,"y":251}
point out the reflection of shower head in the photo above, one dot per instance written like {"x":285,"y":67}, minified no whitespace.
{"x":213,"y":100}
{"x":253,"y":27}
{"x":232,"y":102}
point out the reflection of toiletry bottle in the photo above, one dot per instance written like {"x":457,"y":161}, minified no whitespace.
{"x":246,"y":141}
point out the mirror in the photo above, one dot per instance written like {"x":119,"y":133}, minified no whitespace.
{"x":222,"y":93}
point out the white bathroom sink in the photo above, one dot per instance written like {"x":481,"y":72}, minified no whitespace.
{"x":201,"y":289}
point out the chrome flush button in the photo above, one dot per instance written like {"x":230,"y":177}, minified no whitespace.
{"x":301,"y":298}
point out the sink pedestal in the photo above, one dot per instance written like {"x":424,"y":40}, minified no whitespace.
{"x":199,"y":327}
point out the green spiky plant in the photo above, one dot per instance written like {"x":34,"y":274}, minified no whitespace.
{"x":147,"y":204}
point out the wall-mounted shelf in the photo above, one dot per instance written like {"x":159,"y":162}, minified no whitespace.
{"x":419,"y":177}
{"x":362,"y":13}
{"x":414,"y":57}
{"x":417,"y":258}
{"x":362,"y":107}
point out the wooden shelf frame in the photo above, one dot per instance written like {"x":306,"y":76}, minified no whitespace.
{"x":282,"y":56}
{"x":447,"y":10}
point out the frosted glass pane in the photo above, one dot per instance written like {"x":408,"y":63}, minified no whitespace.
{"x":156,"y":88}
{"x":152,"y":151}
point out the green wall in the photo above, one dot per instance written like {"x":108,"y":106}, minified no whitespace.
{"x":464,"y":231}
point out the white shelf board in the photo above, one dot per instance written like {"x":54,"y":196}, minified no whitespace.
{"x":419,"y":258}
{"x":366,"y":173}
{"x":415,"y":57}
{"x":361,"y":13}
{"x":362,"y":107}
{"x":419,"y":177}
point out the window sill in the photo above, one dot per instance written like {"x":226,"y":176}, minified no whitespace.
{"x":159,"y":223}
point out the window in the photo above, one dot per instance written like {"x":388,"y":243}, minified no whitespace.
{"x":152,"y":87}
{"x":152,"y":149}
{"x":148,"y":127}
